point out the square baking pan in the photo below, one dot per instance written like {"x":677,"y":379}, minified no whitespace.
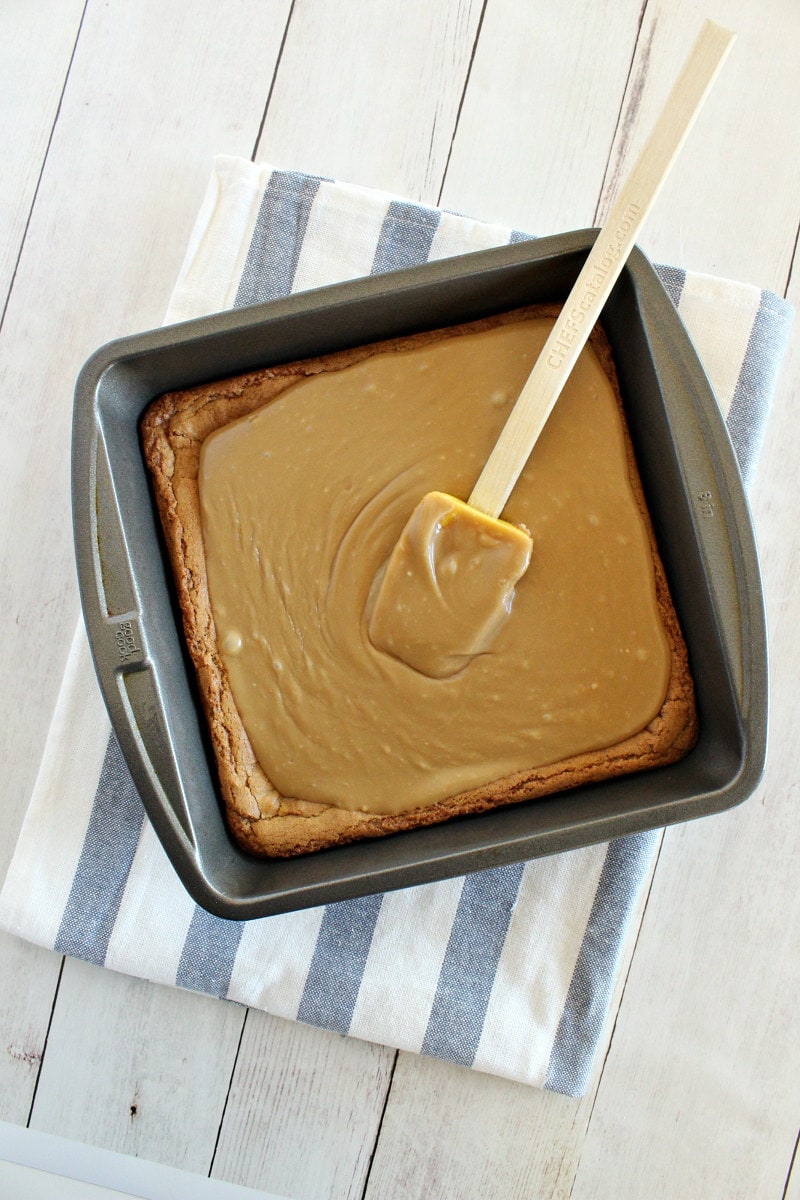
{"x":693,"y":490}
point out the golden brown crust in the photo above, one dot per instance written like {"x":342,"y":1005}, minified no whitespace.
{"x":263,"y":822}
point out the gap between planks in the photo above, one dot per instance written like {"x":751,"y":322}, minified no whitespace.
{"x":271,"y":88}
{"x":625,"y":117}
{"x":228,"y":1092}
{"x":457,"y":121}
{"x":368,"y":1171}
{"x":792,"y":1178}
{"x":46,"y":1039}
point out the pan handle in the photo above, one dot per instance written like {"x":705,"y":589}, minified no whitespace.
{"x":118,"y":638}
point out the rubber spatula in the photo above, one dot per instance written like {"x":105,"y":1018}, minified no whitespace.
{"x":448,"y":585}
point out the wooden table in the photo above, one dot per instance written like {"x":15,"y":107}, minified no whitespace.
{"x":111,"y":113}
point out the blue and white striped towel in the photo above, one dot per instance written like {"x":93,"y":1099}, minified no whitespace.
{"x":508,"y":971}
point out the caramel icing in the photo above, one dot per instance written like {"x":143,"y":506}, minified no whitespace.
{"x":302,"y":502}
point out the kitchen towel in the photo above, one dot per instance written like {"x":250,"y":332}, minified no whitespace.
{"x":509,"y":970}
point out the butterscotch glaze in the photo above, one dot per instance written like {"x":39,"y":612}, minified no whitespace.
{"x":302,"y":502}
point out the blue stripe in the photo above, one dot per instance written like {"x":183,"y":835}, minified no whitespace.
{"x":518,"y":236}
{"x":674,"y":281}
{"x":755,"y":386}
{"x":406,"y":237}
{"x":109,"y":845}
{"x":470,"y":963}
{"x":337,"y":966}
{"x":209,"y":953}
{"x":626,"y":864}
{"x":277,"y":238}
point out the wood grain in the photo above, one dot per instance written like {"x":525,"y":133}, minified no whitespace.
{"x":30,"y":91}
{"x":127,"y":165}
{"x":628,"y":214}
{"x":367,"y":97}
{"x":137,"y":1068}
{"x":29,"y":979}
{"x":733,"y":197}
{"x":522,"y":155}
{"x":303,"y":1112}
{"x":448,"y":1134}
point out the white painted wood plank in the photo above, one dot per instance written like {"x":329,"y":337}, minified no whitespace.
{"x":635,"y":197}
{"x":448,"y":1132}
{"x":701,"y":1089}
{"x":369,"y":93}
{"x":155,"y":90}
{"x":540,"y":111}
{"x":735,"y":191}
{"x":30,"y":974}
{"x":30,"y":90}
{"x":137,"y":1068}
{"x":303,"y":1111}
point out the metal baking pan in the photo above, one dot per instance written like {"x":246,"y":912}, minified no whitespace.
{"x":693,"y":490}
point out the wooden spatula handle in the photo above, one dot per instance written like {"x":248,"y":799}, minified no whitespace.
{"x":600,"y":272}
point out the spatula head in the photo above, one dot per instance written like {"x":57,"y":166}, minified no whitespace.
{"x":447,"y":587}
